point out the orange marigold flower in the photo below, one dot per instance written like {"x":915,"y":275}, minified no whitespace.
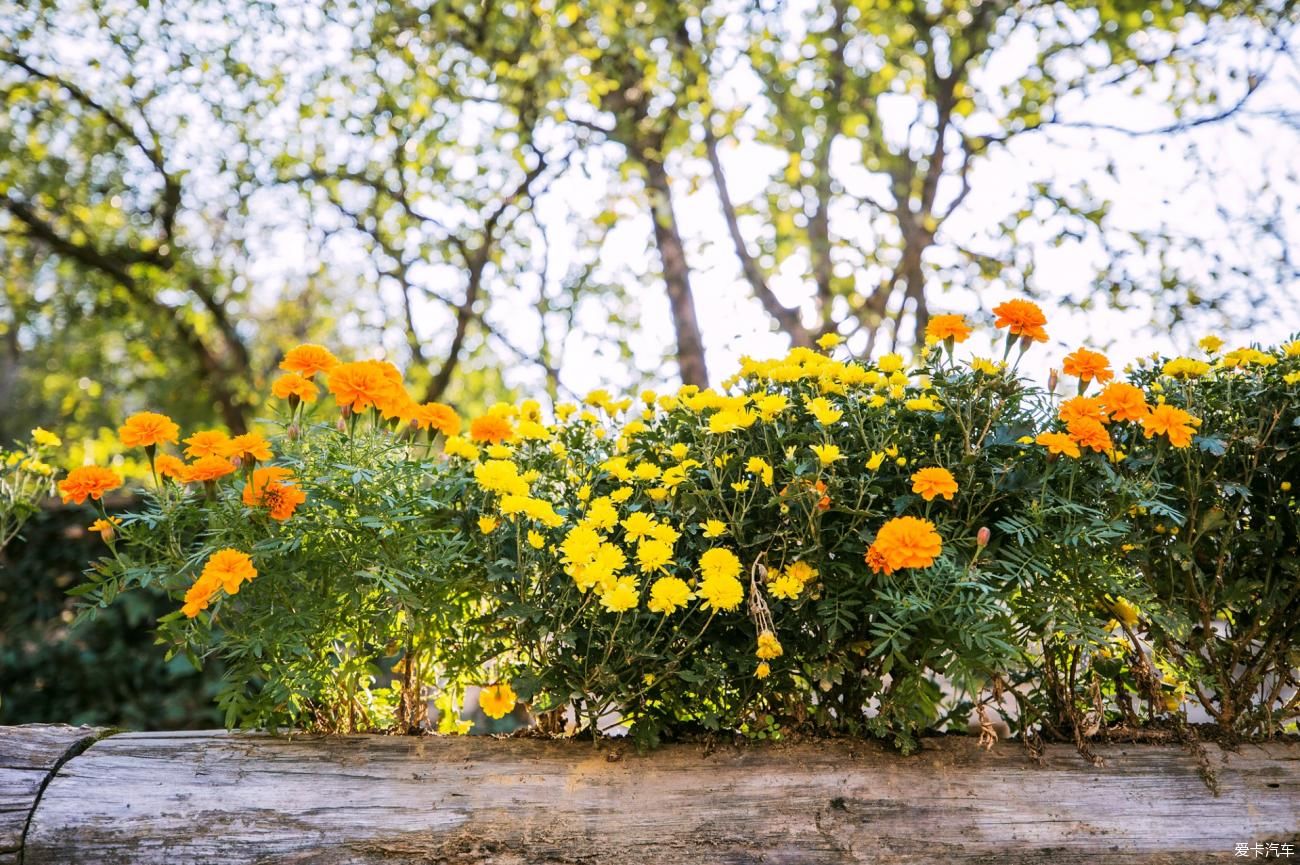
{"x":250,"y":446}
{"x":438,"y":416}
{"x":943,"y":327}
{"x":1021,"y":317}
{"x":389,"y":370}
{"x":171,"y":467}
{"x":397,"y":403}
{"x":1088,"y":365}
{"x":309,"y":359}
{"x":291,"y":384}
{"x":908,"y":542}
{"x":1083,"y":407}
{"x":491,"y":428}
{"x":199,"y":596}
{"x":230,"y":569}
{"x":360,"y":385}
{"x":823,"y":503}
{"x":934,"y":481}
{"x":876,"y":561}
{"x":1089,"y":433}
{"x":208,"y":468}
{"x":1123,"y":401}
{"x":88,"y":481}
{"x":147,"y":429}
{"x":273,"y":488}
{"x":1059,"y":443}
{"x":107,"y":528}
{"x":1173,"y":422}
{"x":208,"y":443}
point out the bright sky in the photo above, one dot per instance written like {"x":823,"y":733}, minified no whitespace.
{"x":1154,"y":185}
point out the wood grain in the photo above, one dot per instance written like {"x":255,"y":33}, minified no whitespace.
{"x":28,"y":756}
{"x":185,"y":798}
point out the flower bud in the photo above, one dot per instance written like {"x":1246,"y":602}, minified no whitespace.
{"x":293,"y":432}
{"x":1053,"y":377}
{"x":982,"y":537}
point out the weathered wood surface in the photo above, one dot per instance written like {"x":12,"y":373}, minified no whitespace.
{"x":186,"y":798}
{"x":29,"y":755}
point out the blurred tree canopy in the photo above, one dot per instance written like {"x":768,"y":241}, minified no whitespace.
{"x":187,"y":188}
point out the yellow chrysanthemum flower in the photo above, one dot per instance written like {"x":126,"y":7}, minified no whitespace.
{"x":713,"y":528}
{"x":621,"y":597}
{"x":827,"y":453}
{"x":497,"y":700}
{"x":668,"y":595}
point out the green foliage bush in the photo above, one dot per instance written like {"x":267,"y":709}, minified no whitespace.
{"x":825,"y":546}
{"x":106,"y":672}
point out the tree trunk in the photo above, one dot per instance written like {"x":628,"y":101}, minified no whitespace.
{"x":211,"y":797}
{"x":677,"y":276}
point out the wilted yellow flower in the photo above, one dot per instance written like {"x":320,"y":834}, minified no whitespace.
{"x":769,"y":646}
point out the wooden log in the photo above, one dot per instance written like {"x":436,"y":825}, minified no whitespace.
{"x":195,"y":798}
{"x":29,"y":755}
